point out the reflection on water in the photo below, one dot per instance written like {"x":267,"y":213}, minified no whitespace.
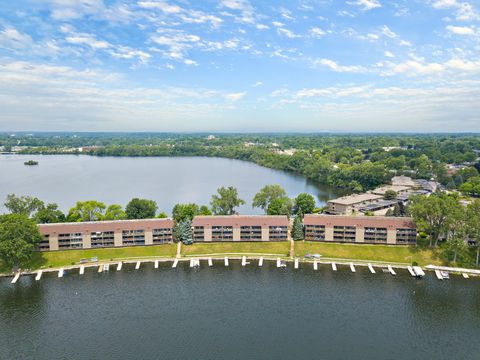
{"x":239,"y":313}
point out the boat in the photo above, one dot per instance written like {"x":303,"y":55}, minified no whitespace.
{"x":30,"y":163}
{"x":445,"y":274}
{"x":283,"y":264}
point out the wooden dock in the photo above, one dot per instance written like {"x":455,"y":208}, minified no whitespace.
{"x":16,"y":277}
{"x":106,"y":267}
{"x":119,"y":266}
{"x":438,"y":274}
{"x":334,"y":266}
{"x":352,"y":268}
{"x":278,"y":262}
{"x":244,"y":260}
{"x":418,"y":271}
{"x":226,"y":260}
{"x":295,"y":266}
{"x":465,"y":276}
{"x":137,"y":266}
{"x":175,"y":263}
{"x":315,"y":265}
{"x":100,"y":268}
{"x":155,"y":265}
{"x":61,"y":272}
{"x":260,"y":262}
{"x":82,"y":270}
{"x":410,"y":270}
{"x":210,"y":262}
{"x":39,"y":275}
{"x":390,"y":269}
{"x":372,"y":270}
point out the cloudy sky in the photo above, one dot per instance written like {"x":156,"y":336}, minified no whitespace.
{"x":240,"y":65}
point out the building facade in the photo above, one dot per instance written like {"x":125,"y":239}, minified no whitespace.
{"x":347,"y":205}
{"x":104,"y":234}
{"x":240,"y":228}
{"x":360,"y":229}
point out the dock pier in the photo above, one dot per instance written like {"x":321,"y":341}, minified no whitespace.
{"x":61,"y":272}
{"x":334,"y":266}
{"x":119,"y":266}
{"x":210,"y":262}
{"x":438,"y":274}
{"x":15,"y":278}
{"x":175,"y":263}
{"x":244,"y":260}
{"x":226,"y":260}
{"x":278,"y":262}
{"x":389,"y":267}
{"x":39,"y":275}
{"x":370,"y":267}
{"x":137,"y":266}
{"x":82,"y":270}
{"x":352,"y":268}
{"x":315,"y":265}
{"x":100,"y":268}
{"x":260,"y":262}
{"x":410,"y":270}
{"x":295,"y":266}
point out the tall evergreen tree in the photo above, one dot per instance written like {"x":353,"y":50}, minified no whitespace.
{"x":297,"y":229}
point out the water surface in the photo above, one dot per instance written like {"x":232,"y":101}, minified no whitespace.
{"x":239,"y":313}
{"x":65,"y":179}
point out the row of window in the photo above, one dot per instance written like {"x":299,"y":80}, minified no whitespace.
{"x":247,"y":233}
{"x":371,"y":234}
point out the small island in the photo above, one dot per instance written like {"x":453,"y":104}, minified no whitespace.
{"x":30,"y":163}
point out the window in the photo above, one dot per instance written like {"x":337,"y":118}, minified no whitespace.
{"x":133,"y":237}
{"x":406,"y":236}
{"x":70,"y":241}
{"x":102,"y":239}
{"x":222,"y":233}
{"x":278,"y":233}
{"x":344,"y":233}
{"x":314,"y":232}
{"x":162,"y":236}
{"x":198,"y":233}
{"x":375,"y":235}
{"x":251,"y":233}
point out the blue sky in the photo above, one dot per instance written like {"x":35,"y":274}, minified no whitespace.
{"x":240,"y":65}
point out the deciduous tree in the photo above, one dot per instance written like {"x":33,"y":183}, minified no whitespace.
{"x":226,"y":201}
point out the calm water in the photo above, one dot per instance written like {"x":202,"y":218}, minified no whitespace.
{"x":65,"y":179}
{"x":239,"y":313}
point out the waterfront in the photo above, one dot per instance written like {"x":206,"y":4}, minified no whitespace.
{"x":65,"y":179}
{"x":238,"y":313}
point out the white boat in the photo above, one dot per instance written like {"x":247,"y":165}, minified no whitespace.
{"x":445,"y":274}
{"x":283,"y":264}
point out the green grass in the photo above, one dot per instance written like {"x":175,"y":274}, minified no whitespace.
{"x":394,"y":254}
{"x":67,"y":257}
{"x":237,"y":248}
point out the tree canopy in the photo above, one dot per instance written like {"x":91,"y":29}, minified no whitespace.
{"x":90,"y":210}
{"x":264,"y":197}
{"x":141,"y":209}
{"x":18,"y":238}
{"x":304,"y":203}
{"x":226,"y":201}
{"x":25,"y":205}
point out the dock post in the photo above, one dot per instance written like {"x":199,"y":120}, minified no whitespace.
{"x":315,"y":265}
{"x":16,"y":277}
{"x":226,"y":260}
{"x":334,"y":266}
{"x":278,"y":262}
{"x":352,"y":268}
{"x":60,"y":272}
{"x":296,"y":263}
{"x":210,"y":262}
{"x":244,"y":260}
{"x":391,"y":270}
{"x":138,"y":265}
{"x":100,"y":268}
{"x":260,"y":262}
{"x":370,"y":267}
{"x":82,"y":270}
{"x":175,"y":263}
{"x":156,"y":264}
{"x":119,"y":266}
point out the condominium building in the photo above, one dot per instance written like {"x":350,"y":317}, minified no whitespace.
{"x":347,"y":205}
{"x":240,"y":228}
{"x":360,"y":229}
{"x":103,"y":234}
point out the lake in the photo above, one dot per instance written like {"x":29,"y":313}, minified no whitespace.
{"x":239,"y":313}
{"x":65,"y":179}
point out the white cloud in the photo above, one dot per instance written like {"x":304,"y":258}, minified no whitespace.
{"x":389,"y":54}
{"x":277,"y":24}
{"x":461,"y":30}
{"x":387,"y":32}
{"x":366,"y":5}
{"x":332,"y":65}
{"x":257,"y":84}
{"x":287,"y":33}
{"x":244,"y":7}
{"x":464,"y":11}
{"x":316,"y":32}
{"x":65,"y":10}
{"x":11,"y":38}
{"x":235,"y":96}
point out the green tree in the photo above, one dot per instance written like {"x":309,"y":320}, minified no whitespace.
{"x":141,"y":209}
{"x":182,"y":231}
{"x":25,"y":205}
{"x":226,"y":201}
{"x":434,"y":214}
{"x":280,"y":206}
{"x":182,"y":212}
{"x":268,"y":193}
{"x":297,"y":229}
{"x":204,"y":211}
{"x":115,"y":212}
{"x":90,"y":210}
{"x":162,"y":215}
{"x":18,"y":237}
{"x":304,"y":203}
{"x":390,"y":195}
{"x":473,"y":223}
{"x":49,"y":214}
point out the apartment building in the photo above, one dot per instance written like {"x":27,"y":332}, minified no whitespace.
{"x":104,"y":234}
{"x":360,"y":229}
{"x":240,"y":228}
{"x":347,"y":205}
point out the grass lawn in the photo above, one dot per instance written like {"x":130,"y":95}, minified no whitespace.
{"x":398,"y":254}
{"x":237,"y":247}
{"x":67,"y":257}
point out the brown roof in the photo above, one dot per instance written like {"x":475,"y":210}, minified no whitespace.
{"x":355,"y":199}
{"x":359,"y":221}
{"x":116,"y":225}
{"x":241,"y":220}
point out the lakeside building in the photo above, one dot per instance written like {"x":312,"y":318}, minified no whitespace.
{"x":347,"y":205}
{"x":398,"y":189}
{"x":360,"y":229}
{"x":104,"y":234}
{"x":240,"y":228}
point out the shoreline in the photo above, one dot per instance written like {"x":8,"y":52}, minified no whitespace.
{"x":249,"y":256}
